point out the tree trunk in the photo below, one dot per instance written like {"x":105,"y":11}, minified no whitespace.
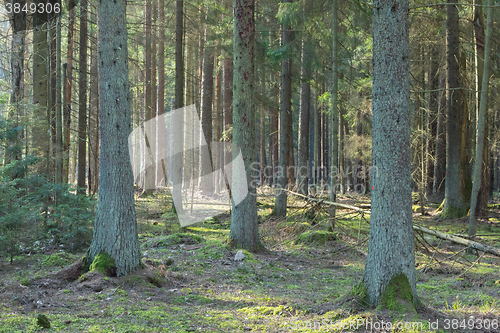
{"x":206,"y":163}
{"x":93,"y":127}
{"x":58,"y":100}
{"x":479,"y":36}
{"x":335,"y":112}
{"x":16,"y":113}
{"x":454,"y":203}
{"x":244,"y":227}
{"x":285,"y":120}
{"x":40,"y":139}
{"x":433,"y":77}
{"x":390,"y":264}
{"x":440,"y":157}
{"x":82,"y":100}
{"x":481,"y":124}
{"x":305,"y":107}
{"x":115,"y":231}
{"x":68,"y":84}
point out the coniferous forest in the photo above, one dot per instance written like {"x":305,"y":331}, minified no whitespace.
{"x":249,"y":166}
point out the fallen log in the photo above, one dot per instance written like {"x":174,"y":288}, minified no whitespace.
{"x":329,"y":203}
{"x":458,"y":240}
{"x":438,"y":234}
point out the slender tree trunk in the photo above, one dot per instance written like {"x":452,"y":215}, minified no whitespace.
{"x":433,"y":77}
{"x":68,"y":84}
{"x":390,"y":264}
{"x":115,"y":231}
{"x":244,"y":227}
{"x":479,"y":59}
{"x":179,"y":59}
{"x":481,"y":124}
{"x":285,"y":119}
{"x":93,"y":121}
{"x":82,"y":100}
{"x":206,"y":162}
{"x":305,"y":108}
{"x":440,"y":159}
{"x":454,"y":202}
{"x":335,"y":112}
{"x":59,"y":161}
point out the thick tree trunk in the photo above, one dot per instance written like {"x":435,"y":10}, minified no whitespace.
{"x":244,"y":227}
{"x":285,"y":122}
{"x":454,"y":202}
{"x":115,"y":231}
{"x":390,"y":263}
{"x":82,"y":100}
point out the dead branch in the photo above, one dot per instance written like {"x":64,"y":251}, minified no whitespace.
{"x":458,"y":240}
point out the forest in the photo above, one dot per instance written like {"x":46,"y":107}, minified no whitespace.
{"x":249,"y":166}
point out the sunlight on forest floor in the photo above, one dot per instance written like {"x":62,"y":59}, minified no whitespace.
{"x":191,"y":282}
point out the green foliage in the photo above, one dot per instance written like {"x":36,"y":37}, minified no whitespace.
{"x":103,"y":263}
{"x":36,"y":212}
{"x":55,"y":260}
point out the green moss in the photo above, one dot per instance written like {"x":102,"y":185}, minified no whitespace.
{"x":361,"y":293}
{"x":174,"y":239}
{"x":42,"y":321}
{"x":316,"y":237}
{"x":452,"y":212}
{"x":397,"y":290}
{"x":55,"y":260}
{"x":104,"y":264}
{"x":155,"y":279}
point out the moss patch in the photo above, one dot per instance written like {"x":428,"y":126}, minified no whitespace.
{"x":452,"y":212}
{"x":104,"y":264}
{"x":316,"y":237}
{"x":42,"y":321}
{"x":175,"y":239}
{"x":396,"y":293}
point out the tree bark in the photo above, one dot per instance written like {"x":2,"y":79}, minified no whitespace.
{"x":454,"y":203}
{"x":285,"y":120}
{"x":68,"y":84}
{"x":481,"y":124}
{"x":244,"y":227}
{"x":391,"y":246}
{"x":40,"y":139}
{"x":305,"y":108}
{"x":335,"y":112}
{"x":115,"y":231}
{"x":82,"y":100}
{"x":16,"y":113}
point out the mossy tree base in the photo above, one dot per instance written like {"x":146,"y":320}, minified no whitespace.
{"x":451,"y":212}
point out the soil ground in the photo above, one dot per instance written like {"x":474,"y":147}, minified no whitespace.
{"x":191,"y":283}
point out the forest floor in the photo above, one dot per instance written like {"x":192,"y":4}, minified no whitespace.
{"x":191,"y":282}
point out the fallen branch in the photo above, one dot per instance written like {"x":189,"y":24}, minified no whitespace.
{"x":458,"y":240}
{"x":329,"y":203}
